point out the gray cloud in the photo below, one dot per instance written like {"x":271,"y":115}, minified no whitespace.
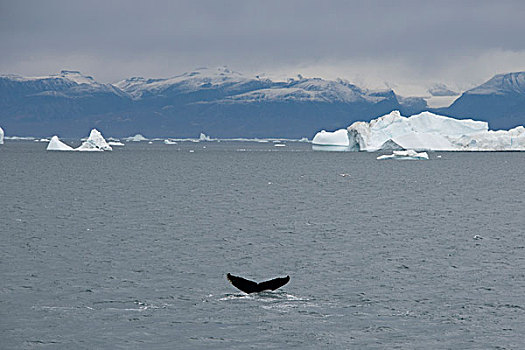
{"x":111,"y":40}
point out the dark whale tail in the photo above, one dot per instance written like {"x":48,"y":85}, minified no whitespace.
{"x":248,"y":286}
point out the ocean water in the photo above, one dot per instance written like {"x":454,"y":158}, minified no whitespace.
{"x":129,"y":249}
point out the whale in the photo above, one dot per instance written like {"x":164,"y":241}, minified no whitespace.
{"x":248,"y":286}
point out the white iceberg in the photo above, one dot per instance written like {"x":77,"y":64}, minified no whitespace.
{"x":1,"y":136}
{"x":115,"y":143}
{"x":95,"y":142}
{"x":336,"y":138}
{"x":169,"y":142}
{"x":410,"y":154}
{"x":204,"y":137}
{"x":56,"y":145}
{"x":331,"y":141}
{"x":136,"y":138}
{"x":423,"y":132}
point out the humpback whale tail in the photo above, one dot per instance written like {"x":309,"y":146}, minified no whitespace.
{"x":248,"y":286}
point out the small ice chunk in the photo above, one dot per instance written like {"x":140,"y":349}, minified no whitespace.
{"x":169,"y":142}
{"x":136,"y":138}
{"x":115,"y":143}
{"x":409,"y":154}
{"x":204,"y":137}
{"x":1,"y":136}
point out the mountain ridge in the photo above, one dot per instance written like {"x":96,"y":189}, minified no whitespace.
{"x":220,"y":102}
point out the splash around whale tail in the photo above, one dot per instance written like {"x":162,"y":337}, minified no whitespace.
{"x":248,"y":286}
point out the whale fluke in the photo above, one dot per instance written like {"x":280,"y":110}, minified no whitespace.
{"x":248,"y":286}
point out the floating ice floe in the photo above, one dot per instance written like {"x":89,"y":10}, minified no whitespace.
{"x":169,"y":142}
{"x":115,"y":143}
{"x":422,"y":132}
{"x":410,"y":154}
{"x":136,"y":138}
{"x":94,"y":143}
{"x":1,"y":136}
{"x":20,"y":138}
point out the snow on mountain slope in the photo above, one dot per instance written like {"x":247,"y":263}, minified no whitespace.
{"x":510,"y":83}
{"x":202,"y":78}
{"x":500,"y":101}
{"x":440,"y":89}
{"x":311,"y":90}
{"x":66,"y":84}
{"x":237,"y":88}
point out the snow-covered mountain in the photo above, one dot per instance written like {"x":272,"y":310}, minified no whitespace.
{"x":501,"y":84}
{"x":500,"y":101}
{"x":237,"y":88}
{"x":69,"y":84}
{"x":69,"y":103}
{"x":221,"y":103}
{"x":441,"y":90}
{"x":202,"y":79}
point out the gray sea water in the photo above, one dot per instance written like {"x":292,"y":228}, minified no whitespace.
{"x":129,"y":249}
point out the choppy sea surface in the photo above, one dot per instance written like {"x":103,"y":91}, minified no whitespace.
{"x":129,"y":249}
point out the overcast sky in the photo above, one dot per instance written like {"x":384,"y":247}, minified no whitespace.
{"x":406,"y":45}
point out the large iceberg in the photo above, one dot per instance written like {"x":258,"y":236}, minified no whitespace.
{"x":1,"y":136}
{"x":95,"y":142}
{"x":425,"y":132}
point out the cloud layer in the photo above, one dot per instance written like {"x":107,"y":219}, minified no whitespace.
{"x":410,"y":45}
